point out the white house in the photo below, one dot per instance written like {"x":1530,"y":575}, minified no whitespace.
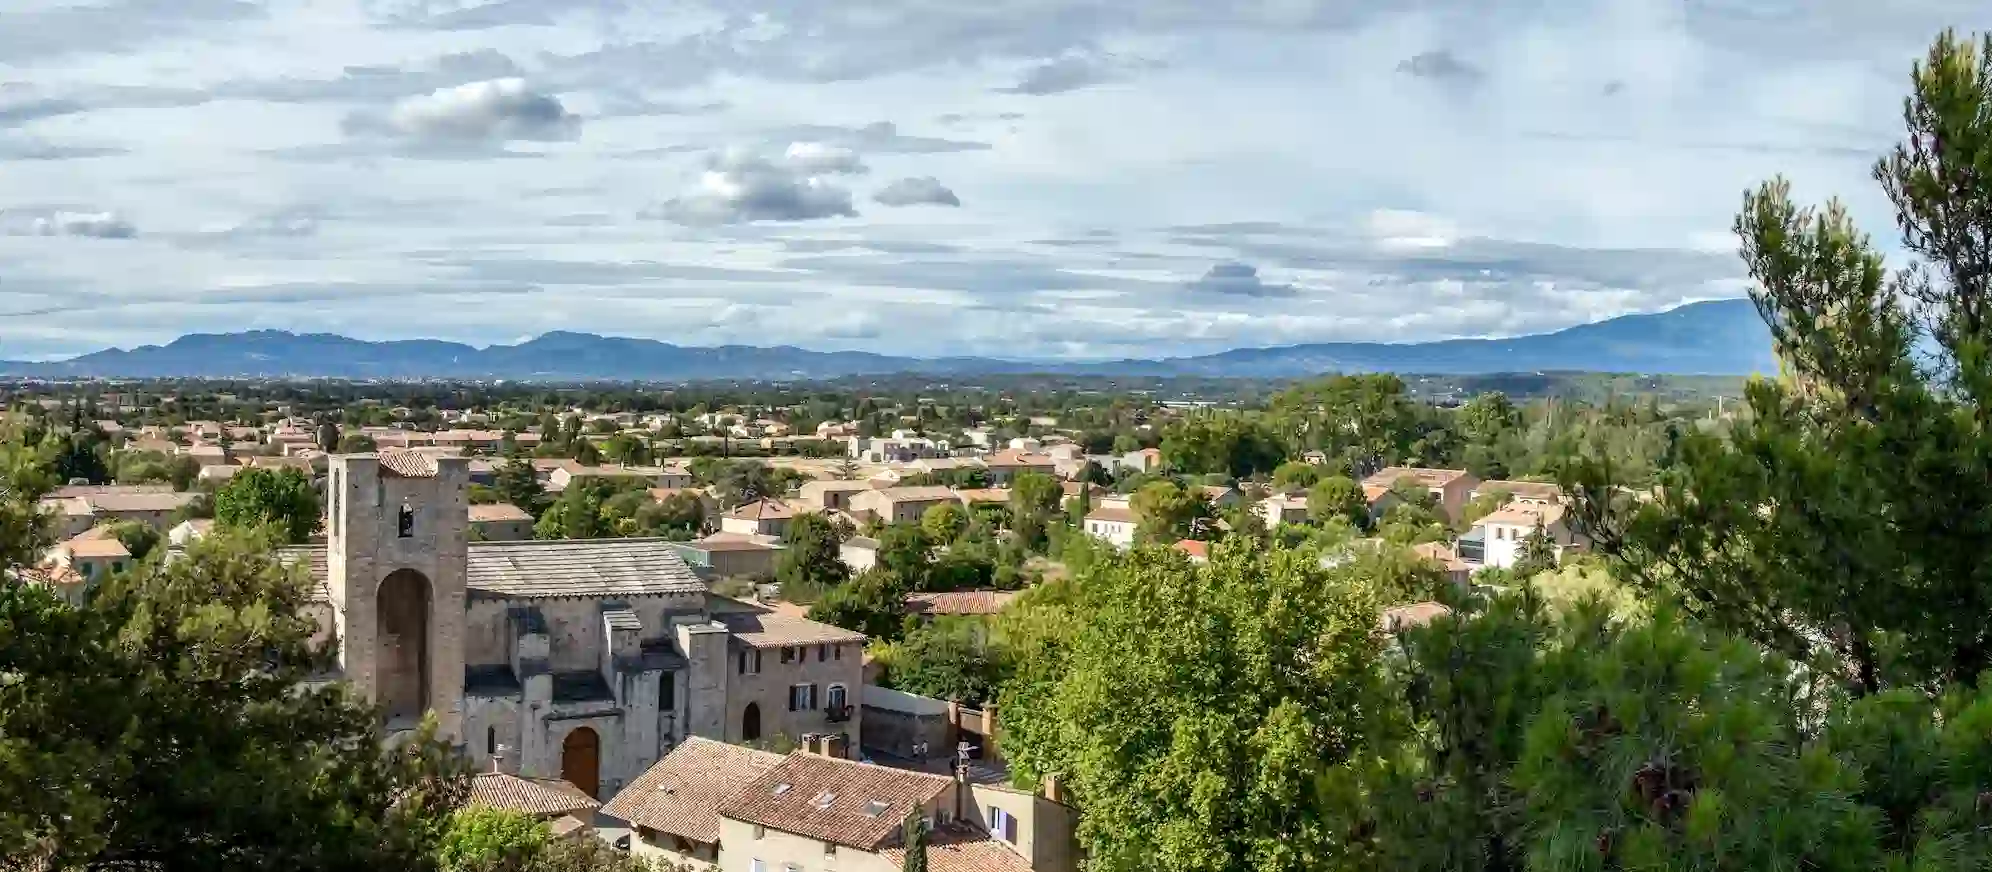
{"x":1496,"y":540}
{"x":1112,"y":524}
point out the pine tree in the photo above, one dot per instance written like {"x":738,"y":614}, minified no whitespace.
{"x":913,"y":832}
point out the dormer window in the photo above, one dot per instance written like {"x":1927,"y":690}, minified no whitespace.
{"x":406,"y":525}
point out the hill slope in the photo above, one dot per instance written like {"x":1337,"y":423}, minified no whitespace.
{"x":1723,"y":337}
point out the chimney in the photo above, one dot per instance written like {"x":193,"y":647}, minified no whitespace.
{"x":835,"y":745}
{"x":1053,"y":790}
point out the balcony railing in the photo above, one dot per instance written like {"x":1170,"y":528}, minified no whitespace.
{"x":837,"y":713}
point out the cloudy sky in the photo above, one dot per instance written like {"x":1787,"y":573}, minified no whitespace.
{"x":1043,"y":178}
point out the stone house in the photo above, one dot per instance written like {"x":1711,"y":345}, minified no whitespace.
{"x":501,"y":522}
{"x":1005,"y":466}
{"x":896,"y":505}
{"x":825,"y":495}
{"x":146,"y":504}
{"x":767,"y":517}
{"x":1450,"y":488}
{"x":730,"y":555}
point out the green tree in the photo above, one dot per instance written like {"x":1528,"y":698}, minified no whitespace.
{"x":282,"y":499}
{"x":1363,"y":421}
{"x":872,"y":603}
{"x":813,"y":558}
{"x":680,"y":516}
{"x":950,"y":658}
{"x":516,"y":482}
{"x":580,"y":513}
{"x":1537,"y":554}
{"x":1338,"y":497}
{"x":356,"y":443}
{"x":1228,"y":444}
{"x":944,"y":522}
{"x":479,"y":837}
{"x":166,"y":721}
{"x":137,"y":537}
{"x":1166,"y":512}
{"x":905,"y":553}
{"x":1294,"y":475}
{"x":913,"y":836}
{"x":328,"y":436}
{"x":1211,"y":718}
{"x":1034,"y":499}
{"x":1842,"y":515}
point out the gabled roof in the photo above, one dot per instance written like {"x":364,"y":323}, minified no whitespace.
{"x":554,"y":568}
{"x":1532,"y":490}
{"x":498,"y":512}
{"x":407,"y":464}
{"x":1013,"y":457}
{"x":1194,"y":548}
{"x":538,"y":797}
{"x":1112,"y":514}
{"x":774,"y":630}
{"x":856,"y":805}
{"x":1428,"y":477}
{"x":682,"y":793}
{"x":959,"y":602}
{"x":763,"y":510}
{"x":95,"y":542}
{"x":1525,"y":515}
{"x":958,"y":847}
{"x":914,"y":494}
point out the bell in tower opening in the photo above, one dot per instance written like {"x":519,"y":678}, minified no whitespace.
{"x":407,"y":522}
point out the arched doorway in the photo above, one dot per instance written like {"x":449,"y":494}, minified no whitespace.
{"x":581,"y":759}
{"x":750,"y":722}
{"x":401,"y":646}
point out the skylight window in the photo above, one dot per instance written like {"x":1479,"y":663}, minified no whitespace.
{"x":781,"y":788}
{"x":876,"y":807}
{"x":823,"y":799}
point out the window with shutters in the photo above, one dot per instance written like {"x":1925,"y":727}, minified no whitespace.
{"x":1003,"y":825}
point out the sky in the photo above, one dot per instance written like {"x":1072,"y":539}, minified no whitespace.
{"x":1013,"y":178}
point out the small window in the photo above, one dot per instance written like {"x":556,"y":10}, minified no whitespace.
{"x":1003,"y":825}
{"x":490,"y":740}
{"x":406,"y":529}
{"x":823,"y":800}
{"x":822,"y":653}
{"x":836,"y":696}
{"x":117,"y":566}
{"x":840,"y":651}
{"x":667,"y":692}
{"x":829,"y":849}
{"x":743,"y":663}
{"x":757,"y":661}
{"x":782,"y":788}
{"x":875,"y":808}
{"x":787,"y":654}
{"x":791,"y":867}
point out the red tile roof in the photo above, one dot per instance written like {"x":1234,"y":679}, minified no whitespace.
{"x":1194,"y":547}
{"x":539,"y":797}
{"x":682,"y":793}
{"x":958,"y":847}
{"x":857,"y":805}
{"x":407,"y":464}
{"x":959,"y":602}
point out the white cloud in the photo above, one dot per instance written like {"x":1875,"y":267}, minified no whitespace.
{"x":497,"y":109}
{"x":741,"y":186}
{"x":915,"y":191}
{"x":816,"y":159}
{"x":67,"y":222}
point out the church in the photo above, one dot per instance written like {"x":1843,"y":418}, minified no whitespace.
{"x":587,"y":660}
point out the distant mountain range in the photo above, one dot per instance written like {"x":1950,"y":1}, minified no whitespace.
{"x":1723,"y":337}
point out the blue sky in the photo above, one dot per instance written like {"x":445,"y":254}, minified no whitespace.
{"x":1049,"y":178}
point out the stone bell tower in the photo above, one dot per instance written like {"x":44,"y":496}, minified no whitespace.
{"x":395,"y":555}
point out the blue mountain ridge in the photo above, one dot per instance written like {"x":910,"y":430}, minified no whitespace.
{"x":1719,"y":337}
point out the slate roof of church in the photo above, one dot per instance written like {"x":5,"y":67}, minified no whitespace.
{"x":555,"y":568}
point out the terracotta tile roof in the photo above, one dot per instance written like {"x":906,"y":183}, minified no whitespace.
{"x":91,"y":490}
{"x":1533,"y":490}
{"x":579,"y":567}
{"x":126,"y":501}
{"x":95,"y":542}
{"x":959,"y":602}
{"x":407,"y":464}
{"x":1443,"y":555}
{"x":1374,"y":492}
{"x":1525,"y":515}
{"x":916,"y":494}
{"x":1413,"y":615}
{"x":498,"y":512}
{"x":1013,"y":457}
{"x":539,"y":797}
{"x":682,"y":793}
{"x":1113,"y":514}
{"x":312,"y":557}
{"x":773,"y":630}
{"x":763,"y":510}
{"x":661,"y":494}
{"x":1194,"y":547}
{"x":857,"y":805}
{"x":984,"y":495}
{"x":958,"y":847}
{"x":722,"y":542}
{"x":1390,"y":475}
